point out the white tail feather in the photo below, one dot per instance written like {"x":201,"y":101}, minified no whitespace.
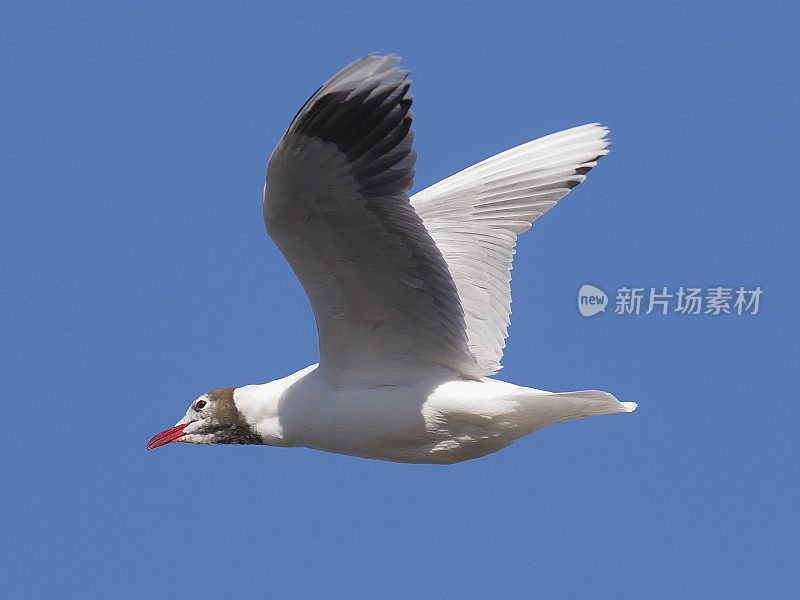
{"x":542,"y":409}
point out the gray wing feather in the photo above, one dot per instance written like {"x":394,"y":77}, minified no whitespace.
{"x":336,"y":205}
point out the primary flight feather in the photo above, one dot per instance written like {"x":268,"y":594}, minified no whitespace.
{"x":411,"y":295}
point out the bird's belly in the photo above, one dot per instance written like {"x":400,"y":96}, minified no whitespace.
{"x":395,"y":424}
{"x":370,"y":430}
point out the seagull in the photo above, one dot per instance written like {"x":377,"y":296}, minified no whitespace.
{"x":411,"y":295}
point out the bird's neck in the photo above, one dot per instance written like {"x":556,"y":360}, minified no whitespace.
{"x":260,"y":405}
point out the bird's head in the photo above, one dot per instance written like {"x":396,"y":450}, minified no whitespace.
{"x":211,"y":419}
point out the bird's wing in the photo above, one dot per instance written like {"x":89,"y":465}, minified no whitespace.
{"x":336,"y":205}
{"x":476,"y":215}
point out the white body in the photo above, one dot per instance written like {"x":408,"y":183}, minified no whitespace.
{"x":429,"y":422}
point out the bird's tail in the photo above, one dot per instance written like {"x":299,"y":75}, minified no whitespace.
{"x":544,"y":409}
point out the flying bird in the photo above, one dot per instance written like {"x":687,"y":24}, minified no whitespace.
{"x":411,"y":295}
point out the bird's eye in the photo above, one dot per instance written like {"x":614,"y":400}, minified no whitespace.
{"x":200,"y":404}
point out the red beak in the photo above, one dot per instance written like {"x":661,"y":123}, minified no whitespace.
{"x":167,"y":436}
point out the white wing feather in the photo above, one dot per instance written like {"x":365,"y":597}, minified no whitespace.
{"x":475,"y":216}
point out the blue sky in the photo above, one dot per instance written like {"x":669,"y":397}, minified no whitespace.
{"x":137,"y":275}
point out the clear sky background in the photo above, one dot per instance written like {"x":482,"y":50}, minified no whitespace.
{"x":136,"y":275}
